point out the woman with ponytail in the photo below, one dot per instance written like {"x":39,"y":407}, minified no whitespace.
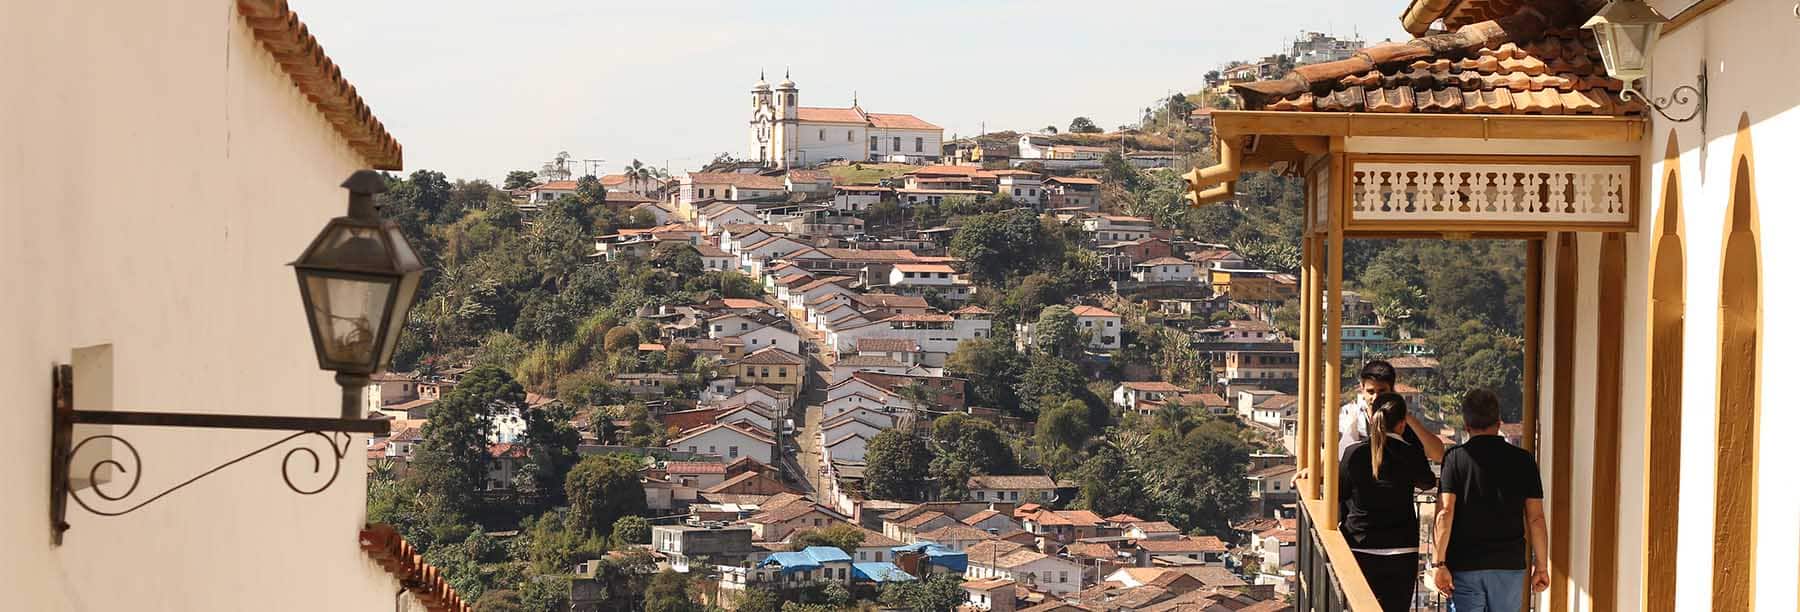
{"x":1378,"y":476}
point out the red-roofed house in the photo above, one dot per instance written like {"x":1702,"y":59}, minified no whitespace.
{"x":1130,"y":395}
{"x":728,"y":441}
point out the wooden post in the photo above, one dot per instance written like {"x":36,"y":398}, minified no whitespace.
{"x":1534,"y":296}
{"x":1603,"y":531}
{"x":1562,"y":419}
{"x":1334,"y":329}
{"x":1303,"y":440}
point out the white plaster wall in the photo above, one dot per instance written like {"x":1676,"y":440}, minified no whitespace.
{"x":1743,"y":44}
{"x":158,"y":171}
{"x":834,"y":145}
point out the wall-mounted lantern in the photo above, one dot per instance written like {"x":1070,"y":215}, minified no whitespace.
{"x":357,"y":283}
{"x":1627,"y":32}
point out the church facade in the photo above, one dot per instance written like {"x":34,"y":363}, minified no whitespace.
{"x":784,"y":134}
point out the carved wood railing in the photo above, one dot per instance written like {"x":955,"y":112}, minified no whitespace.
{"x":1495,"y":193}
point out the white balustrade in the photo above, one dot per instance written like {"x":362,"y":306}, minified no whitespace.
{"x":1536,"y":193}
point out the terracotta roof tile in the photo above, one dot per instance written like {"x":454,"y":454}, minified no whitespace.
{"x":383,"y":544}
{"x":1555,"y":72}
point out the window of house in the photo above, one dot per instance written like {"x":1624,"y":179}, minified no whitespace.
{"x":1062,"y":576}
{"x":849,"y":135}
{"x":712,"y":450}
{"x":896,"y":144}
{"x":733,"y":451}
{"x":918,"y":145}
{"x":821,"y":135}
{"x":874,"y":143}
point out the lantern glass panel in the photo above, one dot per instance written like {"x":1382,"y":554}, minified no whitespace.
{"x":347,"y":316}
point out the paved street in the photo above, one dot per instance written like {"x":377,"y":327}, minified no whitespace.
{"x":806,"y":411}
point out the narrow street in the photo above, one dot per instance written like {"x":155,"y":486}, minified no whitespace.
{"x":806,"y":411}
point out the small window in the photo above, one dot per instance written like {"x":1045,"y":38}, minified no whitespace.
{"x":874,"y":143}
{"x":849,"y":135}
{"x":919,"y":145}
{"x":821,"y":135}
{"x":896,"y":144}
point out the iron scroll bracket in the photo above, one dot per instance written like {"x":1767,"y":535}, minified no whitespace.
{"x":119,"y":496}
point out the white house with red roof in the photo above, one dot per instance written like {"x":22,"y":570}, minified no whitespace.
{"x":1103,"y":326}
{"x":728,"y":441}
{"x":784,"y":134}
{"x":1130,"y":394}
{"x":1165,"y":270}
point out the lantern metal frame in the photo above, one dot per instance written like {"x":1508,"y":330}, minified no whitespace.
{"x":121,"y":497}
{"x":1637,"y":14}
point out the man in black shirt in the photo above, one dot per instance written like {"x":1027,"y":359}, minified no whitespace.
{"x":1490,"y":500}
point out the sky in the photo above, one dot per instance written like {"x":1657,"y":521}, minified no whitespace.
{"x":474,"y":88}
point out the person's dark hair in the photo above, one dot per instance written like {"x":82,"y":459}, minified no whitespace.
{"x":1378,"y":371}
{"x":1480,"y":409}
{"x":1385,"y":413}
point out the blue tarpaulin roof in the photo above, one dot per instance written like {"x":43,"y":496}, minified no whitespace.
{"x":879,"y":571}
{"x":936,"y":554}
{"x":809,"y":559}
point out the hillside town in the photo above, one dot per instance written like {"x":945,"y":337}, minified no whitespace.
{"x":1270,"y":318}
{"x":851,"y":313}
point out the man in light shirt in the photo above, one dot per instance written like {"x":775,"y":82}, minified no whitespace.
{"x":1377,"y":377}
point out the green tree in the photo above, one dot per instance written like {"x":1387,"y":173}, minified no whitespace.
{"x":519,"y":179}
{"x":757,"y":599}
{"x":452,"y":460}
{"x":545,"y":592}
{"x":1062,"y":433}
{"x":897,"y":463}
{"x":1111,"y":485}
{"x":677,"y":257}
{"x":842,"y":536}
{"x":550,"y":443}
{"x":998,"y":244}
{"x":1049,"y":129}
{"x":500,"y":601}
{"x":668,"y":592}
{"x":1083,"y":125}
{"x":1049,"y":375}
{"x":621,"y":338}
{"x":938,"y":592}
{"x":992,"y":369}
{"x":1058,"y":332}
{"x":601,"y":489}
{"x":629,"y":530}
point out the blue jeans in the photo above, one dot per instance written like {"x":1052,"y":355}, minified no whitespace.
{"x":1487,"y":590}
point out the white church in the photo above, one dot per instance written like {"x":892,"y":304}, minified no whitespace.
{"x":784,"y":134}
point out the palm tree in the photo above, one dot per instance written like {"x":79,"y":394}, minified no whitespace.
{"x":637,"y":172}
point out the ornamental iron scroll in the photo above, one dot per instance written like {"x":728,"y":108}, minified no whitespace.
{"x":1500,"y":194}
{"x":303,"y":467}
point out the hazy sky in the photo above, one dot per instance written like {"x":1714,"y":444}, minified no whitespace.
{"x":474,"y":88}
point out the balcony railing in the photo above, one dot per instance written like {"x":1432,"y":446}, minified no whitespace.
{"x":1330,"y":579}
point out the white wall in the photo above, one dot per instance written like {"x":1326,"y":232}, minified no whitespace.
{"x":1742,"y":42}
{"x":160,"y":171}
{"x":834,"y":146}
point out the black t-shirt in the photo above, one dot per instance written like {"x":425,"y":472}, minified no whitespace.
{"x":1379,"y":512}
{"x":1491,"y":479}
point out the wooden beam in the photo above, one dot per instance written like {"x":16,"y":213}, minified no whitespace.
{"x":1691,"y":13}
{"x":1562,"y":419}
{"x":1238,"y":124}
{"x":1334,"y":331}
{"x":1603,"y":528}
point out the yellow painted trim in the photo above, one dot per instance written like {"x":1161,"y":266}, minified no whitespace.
{"x":1666,"y":319}
{"x":1740,"y":389}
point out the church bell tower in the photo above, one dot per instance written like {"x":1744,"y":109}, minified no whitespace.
{"x":787,"y":122}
